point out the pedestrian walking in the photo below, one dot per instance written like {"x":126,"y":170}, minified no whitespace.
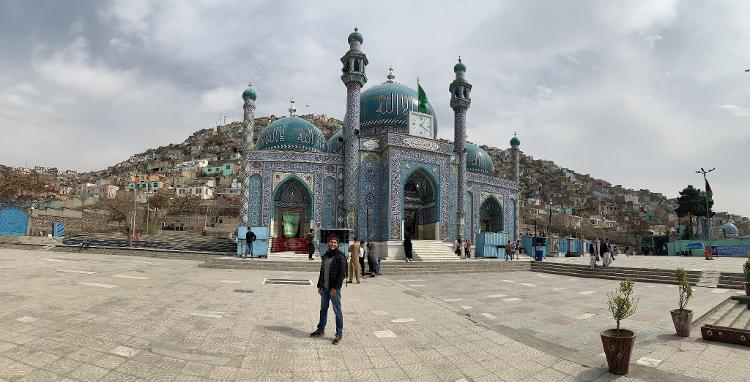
{"x":310,"y":243}
{"x":507,"y":250}
{"x":372,"y":260}
{"x":592,"y":255}
{"x":249,"y":239}
{"x":362,"y":258}
{"x":467,"y":248}
{"x":354,"y":261}
{"x":605,"y":249}
{"x":408,"y":254}
{"x":330,"y":279}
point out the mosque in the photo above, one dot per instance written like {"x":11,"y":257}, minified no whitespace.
{"x":382,"y":177}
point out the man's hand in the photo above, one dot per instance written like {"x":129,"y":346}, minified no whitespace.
{"x":320,"y":291}
{"x":333,"y":292}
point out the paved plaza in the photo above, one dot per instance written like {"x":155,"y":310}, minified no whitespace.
{"x":693,"y":263}
{"x":90,"y":317}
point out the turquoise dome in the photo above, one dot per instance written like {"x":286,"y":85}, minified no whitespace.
{"x":355,"y":36}
{"x":730,"y":230}
{"x":477,"y":160}
{"x":387,"y":106}
{"x":249,"y":93}
{"x":334,"y":146}
{"x":460,"y":67}
{"x":292,"y":134}
{"x":515,"y":141}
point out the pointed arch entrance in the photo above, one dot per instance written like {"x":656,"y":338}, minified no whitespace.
{"x":491,"y":216}
{"x":421,"y":206}
{"x":292,"y":209}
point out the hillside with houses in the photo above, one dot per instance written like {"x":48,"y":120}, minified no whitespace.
{"x":206,"y":167}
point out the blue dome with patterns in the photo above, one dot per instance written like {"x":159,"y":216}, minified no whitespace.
{"x":515,"y":141}
{"x":477,"y":160}
{"x":387,"y":106}
{"x":730,"y":230}
{"x":291,"y":134}
{"x":334,"y":146}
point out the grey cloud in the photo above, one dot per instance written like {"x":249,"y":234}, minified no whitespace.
{"x":640,"y":93}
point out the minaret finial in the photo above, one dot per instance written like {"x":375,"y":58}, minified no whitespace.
{"x":292,"y":110}
{"x":356,"y":29}
{"x":459,"y":58}
{"x":390,"y":75}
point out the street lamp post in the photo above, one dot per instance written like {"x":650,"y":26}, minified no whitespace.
{"x":708,"y":212}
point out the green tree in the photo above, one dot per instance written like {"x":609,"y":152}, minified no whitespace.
{"x":690,"y":203}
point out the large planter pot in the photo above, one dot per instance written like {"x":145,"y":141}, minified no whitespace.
{"x":747,"y":289}
{"x":618,"y":348}
{"x":682,"y":319}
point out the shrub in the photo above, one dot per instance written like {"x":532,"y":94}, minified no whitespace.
{"x":621,"y":302}
{"x":686,"y":290}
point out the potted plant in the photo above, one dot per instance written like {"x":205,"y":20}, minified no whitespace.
{"x":618,"y":343}
{"x":683,"y":318}
{"x":746,"y":271}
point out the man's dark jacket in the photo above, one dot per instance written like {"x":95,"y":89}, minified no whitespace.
{"x":337,"y":273}
{"x":249,"y":236}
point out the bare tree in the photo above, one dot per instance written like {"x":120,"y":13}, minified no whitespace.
{"x":23,"y":187}
{"x":121,"y":210}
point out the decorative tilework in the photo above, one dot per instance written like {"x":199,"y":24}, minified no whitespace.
{"x":329,"y":202}
{"x":435,"y":164}
{"x":247,"y":146}
{"x":256,"y":196}
{"x":371,"y":213}
{"x":351,"y":152}
{"x":469,"y":216}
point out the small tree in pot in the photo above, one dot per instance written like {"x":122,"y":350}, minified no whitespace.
{"x":618,"y":343}
{"x":683,"y":318}
{"x":746,"y":271}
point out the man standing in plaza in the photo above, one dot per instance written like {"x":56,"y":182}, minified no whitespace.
{"x":354,"y":261}
{"x":310,"y":243}
{"x":249,"y":239}
{"x":330,"y":279}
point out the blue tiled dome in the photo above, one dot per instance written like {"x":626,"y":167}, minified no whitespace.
{"x":292,"y":134}
{"x":477,"y":160}
{"x":388,"y":105}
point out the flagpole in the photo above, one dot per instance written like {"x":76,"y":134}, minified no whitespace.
{"x":708,"y":212}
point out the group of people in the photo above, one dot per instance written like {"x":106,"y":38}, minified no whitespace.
{"x":462,"y":248}
{"x":601,"y":250}
{"x":358,"y":252}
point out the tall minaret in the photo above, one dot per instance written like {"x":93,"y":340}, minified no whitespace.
{"x":460,"y":101}
{"x":248,"y":144}
{"x":354,"y":78}
{"x":515,"y":167}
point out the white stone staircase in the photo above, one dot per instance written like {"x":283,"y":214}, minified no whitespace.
{"x":433,"y":250}
{"x":709,"y":279}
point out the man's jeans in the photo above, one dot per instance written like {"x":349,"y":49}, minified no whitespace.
{"x":249,"y":249}
{"x":325,"y":299}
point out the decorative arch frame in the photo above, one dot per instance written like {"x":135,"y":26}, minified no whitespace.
{"x":490,"y":198}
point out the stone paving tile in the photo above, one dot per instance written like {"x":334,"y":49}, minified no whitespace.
{"x":264,"y":335}
{"x":62,"y":365}
{"x":11,"y":369}
{"x":40,"y":375}
{"x":87,"y":372}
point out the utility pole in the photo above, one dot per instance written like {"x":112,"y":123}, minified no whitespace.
{"x":708,"y":212}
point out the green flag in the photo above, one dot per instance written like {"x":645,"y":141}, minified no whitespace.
{"x":709,"y":192}
{"x":422,"y":103}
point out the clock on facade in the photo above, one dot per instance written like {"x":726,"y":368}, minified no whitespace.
{"x":420,"y":124}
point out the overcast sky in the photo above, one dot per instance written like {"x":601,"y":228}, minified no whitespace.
{"x":640,"y":93}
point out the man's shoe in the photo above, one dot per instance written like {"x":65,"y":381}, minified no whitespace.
{"x":336,"y":340}
{"x":317,"y":333}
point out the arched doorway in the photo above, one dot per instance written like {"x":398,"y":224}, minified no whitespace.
{"x":292,"y":211}
{"x":420,"y":207}
{"x":491,"y":216}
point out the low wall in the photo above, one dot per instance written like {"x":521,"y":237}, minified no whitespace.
{"x":30,"y":240}
{"x":727,"y":247}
